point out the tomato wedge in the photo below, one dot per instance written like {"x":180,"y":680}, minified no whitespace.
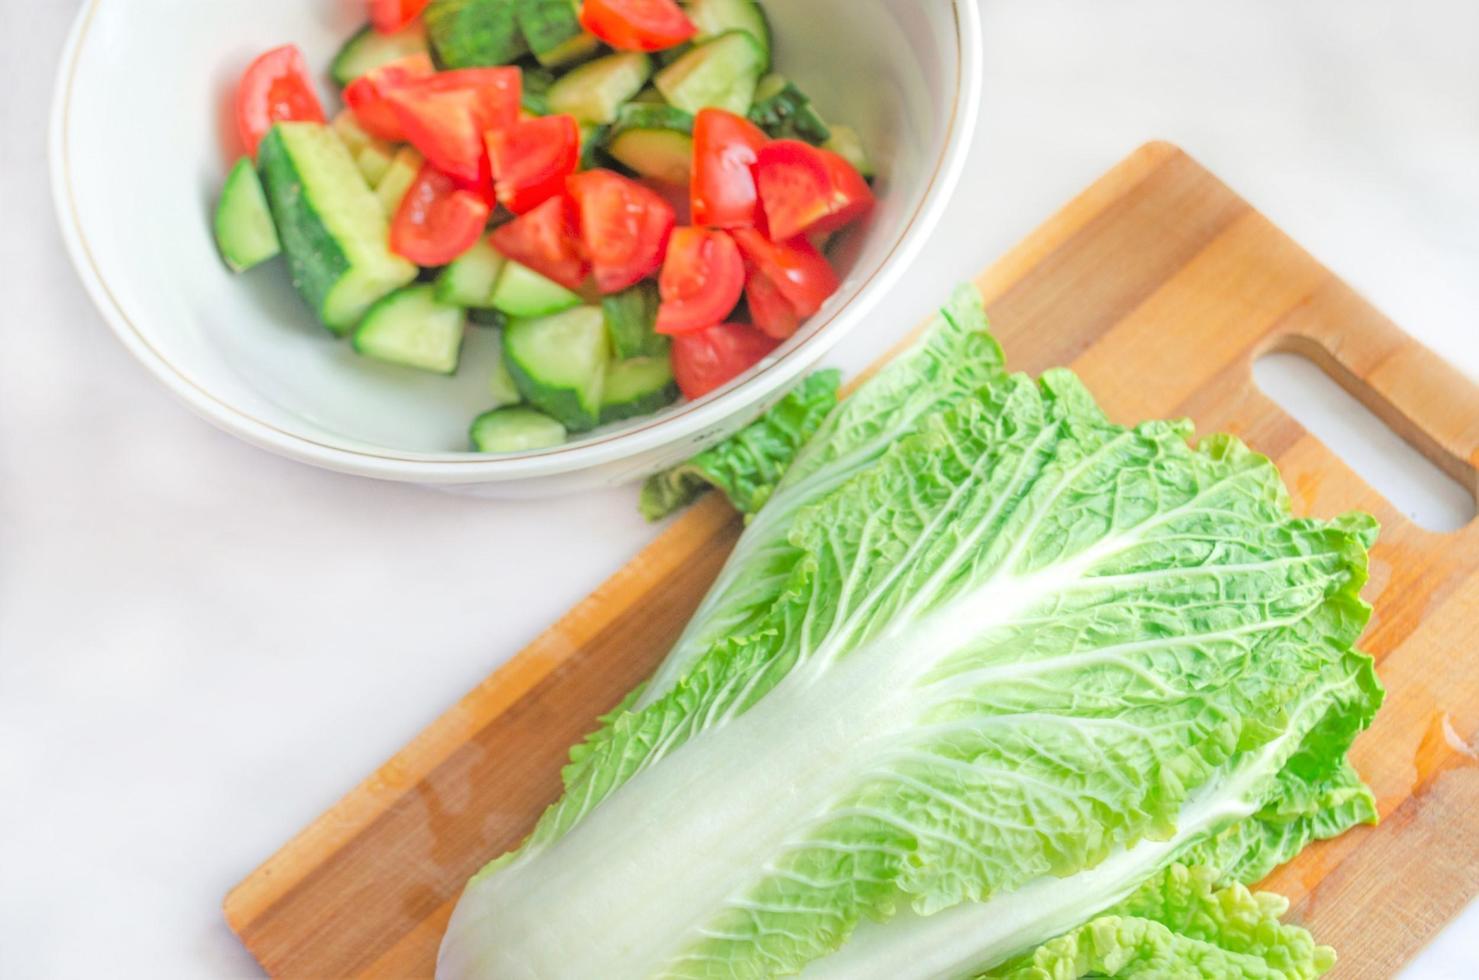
{"x":544,"y":239}
{"x":623,"y":225}
{"x":637,"y":25}
{"x":389,"y":16}
{"x":532,"y":158}
{"x":702,"y":278}
{"x":772,"y":314}
{"x":369,"y":95}
{"x":274,"y":88}
{"x":437,"y":220}
{"x":800,"y":273}
{"x":705,"y":359}
{"x":722,"y":191}
{"x":446,"y":114}
{"x":804,"y":189}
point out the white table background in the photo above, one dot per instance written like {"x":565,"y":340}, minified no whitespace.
{"x":202,"y":646}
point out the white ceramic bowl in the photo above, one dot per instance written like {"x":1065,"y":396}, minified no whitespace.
{"x":141,"y":139}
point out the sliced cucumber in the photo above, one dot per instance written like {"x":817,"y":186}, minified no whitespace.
{"x":522,"y":292}
{"x":715,"y":17}
{"x":559,"y":364}
{"x":369,"y":49}
{"x":245,"y":233}
{"x":631,"y":321}
{"x":593,"y":92}
{"x":500,"y":383}
{"x":373,"y":163}
{"x":513,"y":430}
{"x":553,"y":32}
{"x":655,"y":141}
{"x":404,"y":167}
{"x":784,"y":111}
{"x":474,"y":33}
{"x":533,"y":96}
{"x":846,"y":143}
{"x":639,"y":386}
{"x":722,"y":72}
{"x":592,"y":146}
{"x":469,"y":279}
{"x":352,"y":134}
{"x":411,"y":327}
{"x":667,"y":56}
{"x":331,"y":226}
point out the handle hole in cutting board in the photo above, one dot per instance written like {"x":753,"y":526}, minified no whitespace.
{"x":1393,"y":467}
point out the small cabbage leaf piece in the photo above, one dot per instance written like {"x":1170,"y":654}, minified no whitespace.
{"x":1013,"y":660}
{"x":746,"y":466}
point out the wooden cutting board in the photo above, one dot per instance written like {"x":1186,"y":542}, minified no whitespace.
{"x":1160,"y":287}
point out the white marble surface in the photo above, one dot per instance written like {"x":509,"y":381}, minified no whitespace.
{"x":203,"y":646}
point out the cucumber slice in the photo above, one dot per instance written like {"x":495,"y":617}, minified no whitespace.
{"x":715,"y":17}
{"x":500,"y":383}
{"x":369,"y":49}
{"x":784,"y":112}
{"x":513,"y":430}
{"x":474,"y":33}
{"x":374,"y":163}
{"x":593,"y":92}
{"x":469,"y":279}
{"x":411,"y":327}
{"x":722,"y":72}
{"x":846,"y":143}
{"x":245,"y":233}
{"x":352,"y":134}
{"x":522,"y":292}
{"x":333,"y":230}
{"x":559,"y":364}
{"x":655,"y":141}
{"x":636,"y":387}
{"x":631,"y":321}
{"x":404,"y":167}
{"x":552,"y":30}
{"x":593,"y":146}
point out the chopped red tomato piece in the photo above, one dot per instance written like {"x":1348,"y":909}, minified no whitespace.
{"x":274,"y":88}
{"x":637,"y":25}
{"x":701,"y":281}
{"x":446,"y":114}
{"x":623,"y":225}
{"x":532,"y":158}
{"x":804,"y":188}
{"x":723,"y":187}
{"x":772,"y":314}
{"x":705,"y":359}
{"x":369,"y":95}
{"x":437,"y":221}
{"x":389,"y":16}
{"x":798,"y":271}
{"x":544,"y":239}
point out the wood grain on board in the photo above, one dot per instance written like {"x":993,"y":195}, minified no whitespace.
{"x":1160,"y":287}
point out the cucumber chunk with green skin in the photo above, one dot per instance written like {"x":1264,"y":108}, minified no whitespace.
{"x":468,"y":280}
{"x":332,"y":228}
{"x":846,"y":143}
{"x":655,"y":141}
{"x":720,"y":73}
{"x":716,"y":17}
{"x":639,"y":386}
{"x":522,"y":292}
{"x":369,"y":49}
{"x":474,"y":33}
{"x":397,"y":180}
{"x":552,"y":30}
{"x":414,"y":329}
{"x":513,"y":430}
{"x":593,"y":146}
{"x":631,"y":322}
{"x":373,"y":163}
{"x":559,"y":364}
{"x":785,"y":112}
{"x":593,"y":92}
{"x":501,"y":384}
{"x":243,"y":224}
